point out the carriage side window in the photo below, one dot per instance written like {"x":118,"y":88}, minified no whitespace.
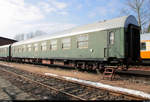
{"x":1,"y":50}
{"x":66,"y":43}
{"x":111,"y":38}
{"x":143,"y":46}
{"x":53,"y":45}
{"x":29,"y":48}
{"x":43,"y":46}
{"x":20,"y":50}
{"x":35,"y":47}
{"x":5,"y":49}
{"x":82,"y":41}
{"x":15,"y":50}
{"x":24,"y":48}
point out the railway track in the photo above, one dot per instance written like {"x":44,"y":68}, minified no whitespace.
{"x":52,"y":88}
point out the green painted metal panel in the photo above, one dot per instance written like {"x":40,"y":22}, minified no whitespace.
{"x":116,"y":49}
{"x":97,"y":41}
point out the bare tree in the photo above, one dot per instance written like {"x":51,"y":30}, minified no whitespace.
{"x":25,"y":36}
{"x":148,"y":31}
{"x":136,"y":6}
{"x":140,"y":9}
{"x":19,"y":37}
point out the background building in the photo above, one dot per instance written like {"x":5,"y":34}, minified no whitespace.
{"x":5,"y":41}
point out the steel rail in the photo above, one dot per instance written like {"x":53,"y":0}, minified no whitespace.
{"x":128,"y":96}
{"x":46,"y":86}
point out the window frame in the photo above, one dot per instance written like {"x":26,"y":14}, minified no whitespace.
{"x":24,"y":48}
{"x":111,"y":38}
{"x":35,"y":47}
{"x":53,"y":46}
{"x":29,"y":48}
{"x":20,"y":50}
{"x":79,"y":41}
{"x":43,"y":46}
{"x":64,"y":42}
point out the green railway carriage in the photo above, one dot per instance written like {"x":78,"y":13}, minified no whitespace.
{"x":108,"y":41}
{"x":4,"y":52}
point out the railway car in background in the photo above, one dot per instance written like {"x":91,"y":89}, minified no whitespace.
{"x":5,"y":52}
{"x":92,"y":46}
{"x":145,"y":48}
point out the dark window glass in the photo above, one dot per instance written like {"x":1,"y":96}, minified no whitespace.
{"x":143,"y":46}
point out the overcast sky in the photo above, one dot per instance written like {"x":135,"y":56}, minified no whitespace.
{"x":23,"y":16}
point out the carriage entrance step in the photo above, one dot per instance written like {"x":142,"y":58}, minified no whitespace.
{"x":109,"y":72}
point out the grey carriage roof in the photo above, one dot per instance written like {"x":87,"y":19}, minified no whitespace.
{"x":145,"y":36}
{"x":98,"y":26}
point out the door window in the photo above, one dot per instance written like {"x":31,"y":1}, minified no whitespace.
{"x":111,"y":38}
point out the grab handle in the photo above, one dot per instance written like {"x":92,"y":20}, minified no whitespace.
{"x":105,"y":52}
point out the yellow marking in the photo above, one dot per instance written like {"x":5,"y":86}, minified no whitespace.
{"x":145,"y":54}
